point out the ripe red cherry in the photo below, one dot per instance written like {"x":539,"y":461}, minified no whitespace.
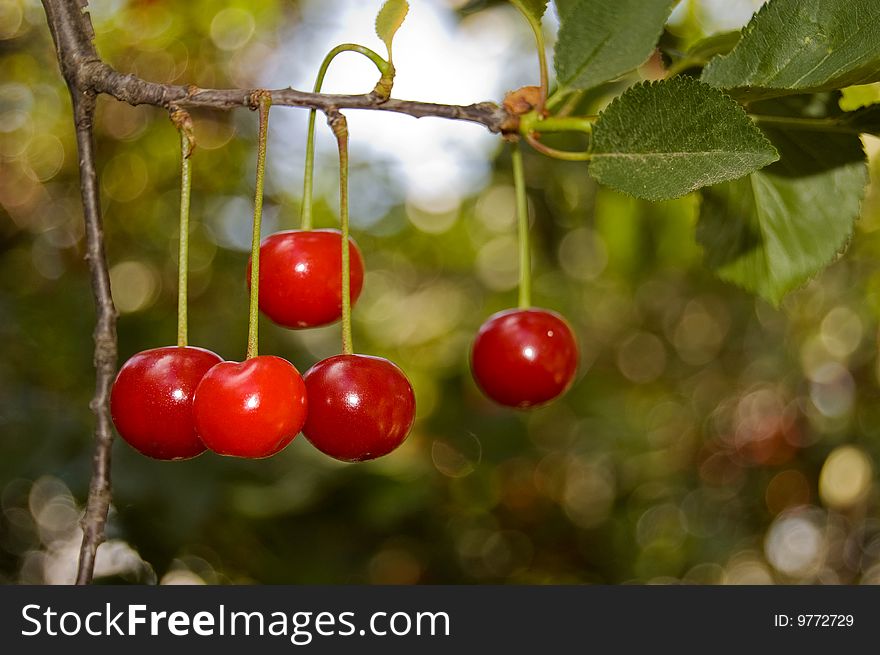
{"x":301,"y":277}
{"x":252,"y":408}
{"x":151,"y":400}
{"x":524,"y":357}
{"x":360,"y":407}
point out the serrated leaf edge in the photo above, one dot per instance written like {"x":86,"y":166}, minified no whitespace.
{"x":695,"y":83}
{"x":387,"y":41}
{"x":776,"y":300}
{"x":716,"y":60}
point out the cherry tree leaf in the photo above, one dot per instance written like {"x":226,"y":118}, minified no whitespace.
{"x":661,"y":140}
{"x":799,"y":46}
{"x":772,"y":231}
{"x":600,"y":40}
{"x":389,"y":20}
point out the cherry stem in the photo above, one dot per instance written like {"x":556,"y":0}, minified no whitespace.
{"x":265,"y":102}
{"x":183,"y":248}
{"x":386,"y":69}
{"x":560,"y":94}
{"x":535,"y":24}
{"x":564,"y":155}
{"x":522,"y":220}
{"x":183,"y":122}
{"x":534,"y":122}
{"x":340,"y":129}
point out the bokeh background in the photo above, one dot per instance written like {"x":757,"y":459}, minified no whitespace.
{"x":709,"y":437}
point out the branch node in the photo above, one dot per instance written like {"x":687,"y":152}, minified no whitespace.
{"x":258,"y":97}
{"x":337,"y":122}
{"x":183,"y":122}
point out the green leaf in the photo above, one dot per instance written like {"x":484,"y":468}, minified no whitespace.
{"x":389,"y":20}
{"x":562,"y":6}
{"x":796,"y":46}
{"x":775,"y":229}
{"x":661,"y":140}
{"x":532,"y":8}
{"x":600,"y":40}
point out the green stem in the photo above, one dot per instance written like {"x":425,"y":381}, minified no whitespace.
{"x":535,"y":24}
{"x":265,"y":102}
{"x":564,"y":155}
{"x":340,"y":130}
{"x":522,"y":221}
{"x":570,"y":104}
{"x":183,"y":238}
{"x":387,"y":72}
{"x":560,"y":94}
{"x":533,"y":122}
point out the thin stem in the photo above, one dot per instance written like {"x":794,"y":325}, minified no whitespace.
{"x":308,"y":176}
{"x":384,"y":69}
{"x":570,"y":104}
{"x":533,"y":122}
{"x":522,"y":221}
{"x":340,"y":130}
{"x":265,"y":102}
{"x":183,"y":247}
{"x":564,"y":155}
{"x":560,"y":94}
{"x":537,"y":29}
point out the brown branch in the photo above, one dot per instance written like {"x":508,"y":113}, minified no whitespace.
{"x":80,"y":62}
{"x":98,"y":503}
{"x":87,"y":76}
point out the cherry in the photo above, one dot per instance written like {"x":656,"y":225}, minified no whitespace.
{"x":360,"y":407}
{"x":151,"y":400}
{"x":301,"y":278}
{"x":252,"y":408}
{"x":524,"y":357}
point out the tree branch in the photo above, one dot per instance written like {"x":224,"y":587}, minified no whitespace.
{"x":87,"y":76}
{"x":98,"y":503}
{"x":80,"y":62}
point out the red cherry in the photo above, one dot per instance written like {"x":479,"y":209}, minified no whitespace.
{"x":252,"y":408}
{"x":524,"y":357}
{"x":360,"y":407}
{"x":151,"y":400}
{"x":301,"y":277}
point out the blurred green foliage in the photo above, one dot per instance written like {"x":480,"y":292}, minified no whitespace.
{"x":708,"y":437}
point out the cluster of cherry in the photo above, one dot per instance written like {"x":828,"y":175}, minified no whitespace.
{"x":174,"y":402}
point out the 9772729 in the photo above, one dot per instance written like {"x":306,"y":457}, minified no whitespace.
{"x":813,"y":620}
